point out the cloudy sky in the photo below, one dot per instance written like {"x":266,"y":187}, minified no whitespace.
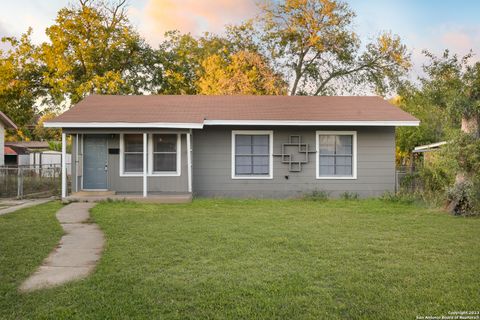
{"x":422,"y":24}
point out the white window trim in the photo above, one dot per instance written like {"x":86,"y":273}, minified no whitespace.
{"x":150,"y":158}
{"x":122,"y":159}
{"x":354,"y":155}
{"x":270,"y":158}
{"x":176,"y":173}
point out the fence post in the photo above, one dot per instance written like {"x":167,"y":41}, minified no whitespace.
{"x":19,"y":182}
{"x":396,"y":180}
{"x":22,"y":180}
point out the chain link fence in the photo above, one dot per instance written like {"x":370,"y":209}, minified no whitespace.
{"x":30,"y":181}
{"x":406,"y":179}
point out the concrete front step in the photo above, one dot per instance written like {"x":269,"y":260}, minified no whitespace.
{"x":84,"y":193}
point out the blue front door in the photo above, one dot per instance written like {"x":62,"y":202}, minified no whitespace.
{"x":95,"y":161}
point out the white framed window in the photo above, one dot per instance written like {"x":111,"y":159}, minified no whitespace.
{"x":163,"y":154}
{"x":131,"y":154}
{"x":336,"y":154}
{"x":252,"y":154}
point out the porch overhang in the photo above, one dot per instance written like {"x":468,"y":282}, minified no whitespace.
{"x":123,"y":125}
{"x":78,"y":135}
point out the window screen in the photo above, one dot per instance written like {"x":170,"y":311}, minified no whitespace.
{"x":164,"y":152}
{"x":252,"y":155}
{"x":133,"y":152}
{"x":335,"y":155}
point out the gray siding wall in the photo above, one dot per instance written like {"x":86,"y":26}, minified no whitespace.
{"x":2,"y":143}
{"x":212,"y":165}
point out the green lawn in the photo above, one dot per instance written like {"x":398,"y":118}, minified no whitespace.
{"x":261,"y":259}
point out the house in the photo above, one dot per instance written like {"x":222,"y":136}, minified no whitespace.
{"x":34,"y":154}
{"x":5,"y":123}
{"x":232,"y":146}
{"x":427,"y":148}
{"x":19,"y":152}
{"x":28,"y":146}
{"x":427,"y":152}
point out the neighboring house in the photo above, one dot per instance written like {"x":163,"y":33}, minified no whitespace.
{"x":29,"y":146}
{"x":429,"y":147}
{"x":34,"y":154}
{"x":428,"y":150}
{"x":20,"y":153}
{"x":5,"y":123}
{"x":232,"y":146}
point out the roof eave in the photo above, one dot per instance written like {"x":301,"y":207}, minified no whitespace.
{"x":144,"y":125}
{"x":379,"y":123}
{"x":382,"y":123}
{"x":7,"y":121}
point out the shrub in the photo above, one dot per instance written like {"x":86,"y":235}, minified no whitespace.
{"x":55,"y":145}
{"x":429,"y":184}
{"x":464,"y":198}
{"x":349,"y":196}
{"x":317,"y":195}
{"x":435,"y":178}
{"x":399,"y":197}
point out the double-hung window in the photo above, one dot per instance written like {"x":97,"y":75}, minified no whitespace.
{"x":165,"y":153}
{"x":132,"y":153}
{"x":252,"y":154}
{"x":336,"y":155}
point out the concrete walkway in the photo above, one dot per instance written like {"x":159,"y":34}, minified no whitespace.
{"x":14,"y":205}
{"x":77,"y":253}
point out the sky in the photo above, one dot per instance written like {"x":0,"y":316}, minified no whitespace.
{"x":422,"y":24}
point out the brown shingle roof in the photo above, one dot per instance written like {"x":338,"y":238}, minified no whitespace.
{"x":196,"y":109}
{"x":28,"y":144}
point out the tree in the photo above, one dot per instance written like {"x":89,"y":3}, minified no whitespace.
{"x":20,"y":79}
{"x":243,"y":72}
{"x":313,"y":43}
{"x":435,"y":121}
{"x":447,"y":101}
{"x":42,"y":133}
{"x":180,"y":57}
{"x":94,"y":49}
{"x":454,"y":85}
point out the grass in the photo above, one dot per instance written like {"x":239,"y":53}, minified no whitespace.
{"x":260,"y":259}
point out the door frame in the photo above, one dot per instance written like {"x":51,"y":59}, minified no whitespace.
{"x":83,"y":164}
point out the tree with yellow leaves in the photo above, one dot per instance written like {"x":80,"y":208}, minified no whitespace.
{"x":93,"y":48}
{"x":243,"y":72}
{"x":20,"y":79}
{"x":42,"y":133}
